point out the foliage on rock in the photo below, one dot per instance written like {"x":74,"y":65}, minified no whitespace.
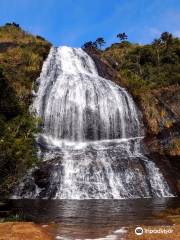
{"x":151,"y":73}
{"x":21,"y":58}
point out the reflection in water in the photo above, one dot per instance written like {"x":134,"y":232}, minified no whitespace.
{"x":93,"y":218}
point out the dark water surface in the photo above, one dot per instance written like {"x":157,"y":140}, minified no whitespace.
{"x":93,"y":218}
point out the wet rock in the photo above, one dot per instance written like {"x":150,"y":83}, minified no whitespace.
{"x":103,"y":67}
{"x":42,"y":175}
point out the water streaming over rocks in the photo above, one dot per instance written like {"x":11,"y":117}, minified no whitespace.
{"x":91,"y":139}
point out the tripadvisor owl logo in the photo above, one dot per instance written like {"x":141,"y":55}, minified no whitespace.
{"x":138,"y":231}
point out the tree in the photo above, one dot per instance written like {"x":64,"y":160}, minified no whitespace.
{"x":41,"y":38}
{"x":157,"y":44}
{"x":100,"y":42}
{"x":89,"y":44}
{"x":167,"y":38}
{"x":13,"y":24}
{"x":122,"y":36}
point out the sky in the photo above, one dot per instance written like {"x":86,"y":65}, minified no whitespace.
{"x":73,"y":22}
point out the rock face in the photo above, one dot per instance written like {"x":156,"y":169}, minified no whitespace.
{"x":161,"y":115}
{"x":39,"y":181}
{"x":163,"y":136}
{"x":104,"y":68}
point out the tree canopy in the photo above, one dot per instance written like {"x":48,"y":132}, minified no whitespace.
{"x":122,"y":36}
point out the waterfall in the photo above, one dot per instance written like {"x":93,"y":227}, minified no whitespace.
{"x":91,"y":138}
{"x":76,"y":104}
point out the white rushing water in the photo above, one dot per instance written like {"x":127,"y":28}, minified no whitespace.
{"x":91,"y":136}
{"x":76,"y":104}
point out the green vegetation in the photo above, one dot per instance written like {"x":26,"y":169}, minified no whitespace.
{"x":150,"y":73}
{"x":21,"y":58}
{"x":100,"y":42}
{"x":143,"y":67}
{"x":175,"y":147}
{"x":147,"y":66}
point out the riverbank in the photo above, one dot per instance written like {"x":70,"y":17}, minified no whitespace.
{"x":23,"y":231}
{"x":156,"y":233}
{"x":32,"y":231}
{"x":161,"y":232}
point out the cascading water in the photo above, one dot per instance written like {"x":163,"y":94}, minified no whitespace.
{"x":91,"y":136}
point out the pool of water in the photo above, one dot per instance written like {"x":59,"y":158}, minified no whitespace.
{"x":91,"y":219}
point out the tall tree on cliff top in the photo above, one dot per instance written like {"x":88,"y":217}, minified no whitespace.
{"x":122,"y":36}
{"x":167,"y":38}
{"x":100,"y":42}
{"x":157,"y":45}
